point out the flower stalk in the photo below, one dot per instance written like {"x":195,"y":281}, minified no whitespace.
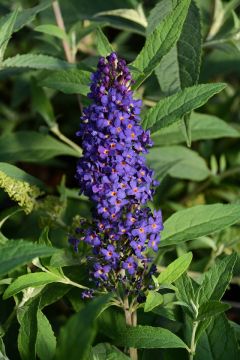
{"x":193,"y":340}
{"x":131,"y":320}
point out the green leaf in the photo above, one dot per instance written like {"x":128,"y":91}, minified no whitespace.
{"x":27,"y":336}
{"x":236,"y":328}
{"x":46,"y":341}
{"x":153,"y":300}
{"x":211,"y":308}
{"x":216,"y":280}
{"x":68,"y":81}
{"x":52,"y":293}
{"x":15,"y":253}
{"x":188,"y":224}
{"x":103,"y":45}
{"x":213,"y":286}
{"x":203,"y":126}
{"x":78,"y":334}
{"x":136,"y":15}
{"x":218,"y":342}
{"x":31,"y":146}
{"x":30,"y":280}
{"x":175,"y":269}
{"x":52,"y":30}
{"x":185,"y":291}
{"x":105,"y":351}
{"x":207,"y":12}
{"x":163,"y":169}
{"x":42,"y":105}
{"x":174,"y":107}
{"x":38,"y":62}
{"x":162,"y":39}
{"x":148,"y":337}
{"x":26,"y":15}
{"x":6,"y":31}
{"x":77,"y":10}
{"x":158,"y":13}
{"x":188,"y":164}
{"x":66,"y":257}
{"x":181,"y":66}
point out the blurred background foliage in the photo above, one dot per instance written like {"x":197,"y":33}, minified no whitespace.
{"x":40,"y":107}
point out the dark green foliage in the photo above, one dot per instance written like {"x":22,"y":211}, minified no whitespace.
{"x":185,"y":59}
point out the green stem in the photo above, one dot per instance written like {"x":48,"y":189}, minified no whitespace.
{"x":70,"y":282}
{"x":55,"y":130}
{"x":193,"y":340}
{"x":131,"y":320}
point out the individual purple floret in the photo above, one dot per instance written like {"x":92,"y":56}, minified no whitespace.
{"x":113,"y":174}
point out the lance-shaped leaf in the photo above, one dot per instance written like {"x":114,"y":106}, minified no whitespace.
{"x":218,"y":341}
{"x":14,"y":253}
{"x":33,"y":61}
{"x":72,"y":81}
{"x":52,"y":30}
{"x":210,"y":309}
{"x":153,"y":300}
{"x":162,"y":39}
{"x":46,"y":340}
{"x":31,"y":146}
{"x":6,"y":31}
{"x":203,"y":126}
{"x":103,"y":45}
{"x":175,"y":269}
{"x":174,"y":107}
{"x":180,"y":67}
{"x":188,"y":164}
{"x":30,"y":280}
{"x":25,"y":16}
{"x":148,"y":337}
{"x":216,"y":279}
{"x":188,"y":224}
{"x":136,"y":15}
{"x":27,"y":336}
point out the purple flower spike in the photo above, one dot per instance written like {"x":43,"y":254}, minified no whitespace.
{"x":113,"y":173}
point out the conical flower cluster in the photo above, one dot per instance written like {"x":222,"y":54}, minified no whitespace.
{"x":114,"y":175}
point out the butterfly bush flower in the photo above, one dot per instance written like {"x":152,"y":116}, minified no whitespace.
{"x":113,"y":174}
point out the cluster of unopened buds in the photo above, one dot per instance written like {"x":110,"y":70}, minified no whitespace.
{"x":113,"y":173}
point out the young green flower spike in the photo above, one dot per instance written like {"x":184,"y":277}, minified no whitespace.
{"x":114,"y":175}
